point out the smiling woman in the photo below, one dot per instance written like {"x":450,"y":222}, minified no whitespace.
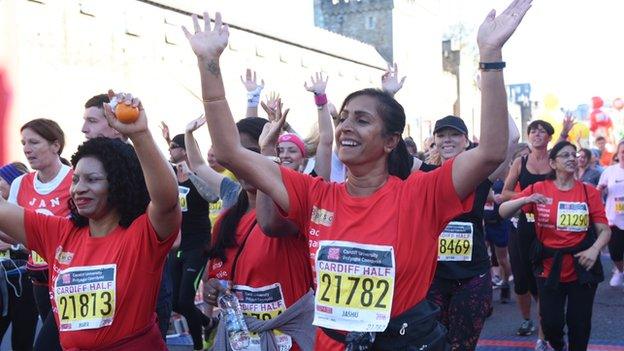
{"x":571,"y":229}
{"x":362,"y":214}
{"x":124,"y":216}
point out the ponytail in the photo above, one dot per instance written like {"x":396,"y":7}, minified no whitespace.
{"x":226,"y":237}
{"x":400,"y":162}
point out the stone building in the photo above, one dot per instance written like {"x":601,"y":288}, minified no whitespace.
{"x":369,"y":21}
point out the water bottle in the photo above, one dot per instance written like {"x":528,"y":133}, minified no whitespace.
{"x":231,"y":314}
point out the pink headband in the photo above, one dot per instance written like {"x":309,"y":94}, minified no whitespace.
{"x":293,"y":138}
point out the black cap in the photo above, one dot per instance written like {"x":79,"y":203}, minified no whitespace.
{"x":451,"y":122}
{"x":179,"y":140}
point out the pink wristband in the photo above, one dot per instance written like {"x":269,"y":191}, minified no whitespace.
{"x":320,"y":100}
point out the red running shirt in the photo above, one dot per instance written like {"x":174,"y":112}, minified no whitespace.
{"x":406,"y":215}
{"x":54,"y":203}
{"x":102,"y":289}
{"x":559,"y":213}
{"x":263,"y":263}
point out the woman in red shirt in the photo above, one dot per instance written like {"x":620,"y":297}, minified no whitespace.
{"x":266,"y":280}
{"x":106,"y":260}
{"x":374,"y":260}
{"x":567,"y":212}
{"x":46,"y":191}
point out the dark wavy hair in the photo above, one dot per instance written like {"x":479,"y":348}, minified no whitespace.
{"x":127,"y":192}
{"x":226,"y":236}
{"x":552,"y":155}
{"x":391,"y":112}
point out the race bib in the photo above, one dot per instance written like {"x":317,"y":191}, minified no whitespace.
{"x":619,"y":205}
{"x":572,"y":216}
{"x":355,"y":286}
{"x":37,"y":260}
{"x":263,"y":303}
{"x":5,"y":255}
{"x":455,"y":242}
{"x":182,"y":193}
{"x":85,"y":297}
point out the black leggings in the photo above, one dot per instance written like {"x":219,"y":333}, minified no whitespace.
{"x":187,"y":268}
{"x":569,"y":304}
{"x":464,"y":305}
{"x":519,"y":250}
{"x":22,"y":312}
{"x":616,"y":244}
{"x":48,"y":337}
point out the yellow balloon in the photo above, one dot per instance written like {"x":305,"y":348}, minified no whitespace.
{"x":551,"y":102}
{"x":579,"y":135}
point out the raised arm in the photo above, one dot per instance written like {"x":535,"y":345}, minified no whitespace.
{"x":162,"y":186}
{"x":197,"y":163}
{"x":390,"y":82}
{"x":164,"y":129}
{"x":471,"y":167}
{"x":257,"y":170}
{"x":267,"y":214}
{"x":317,"y":86}
{"x":567,"y":125}
{"x":514,"y":136}
{"x":253,"y":92}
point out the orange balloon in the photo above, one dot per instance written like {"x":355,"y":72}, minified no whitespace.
{"x":126,"y":113}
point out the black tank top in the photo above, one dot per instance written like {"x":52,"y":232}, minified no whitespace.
{"x":480,"y":262}
{"x":527,"y":178}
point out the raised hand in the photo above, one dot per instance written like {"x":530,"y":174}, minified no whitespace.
{"x":272,"y":130}
{"x":495,"y":30}
{"x":164,"y":128}
{"x":195,"y":124}
{"x":390,"y":80}
{"x":250,"y":81}
{"x":272,"y":101}
{"x":317,"y":84}
{"x":275,"y":113}
{"x":128,"y":129}
{"x":210,"y":42}
{"x":568,"y":123}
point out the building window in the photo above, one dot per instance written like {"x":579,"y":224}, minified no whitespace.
{"x":370,"y":22}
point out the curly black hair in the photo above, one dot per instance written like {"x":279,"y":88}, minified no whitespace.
{"x":127,"y":191}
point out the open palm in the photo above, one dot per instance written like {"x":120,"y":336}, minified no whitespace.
{"x":496,"y":30}
{"x":210,"y":42}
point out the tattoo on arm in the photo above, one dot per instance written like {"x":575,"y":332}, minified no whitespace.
{"x":213,"y":67}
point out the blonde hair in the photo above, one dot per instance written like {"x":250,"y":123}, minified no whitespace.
{"x":312,"y":140}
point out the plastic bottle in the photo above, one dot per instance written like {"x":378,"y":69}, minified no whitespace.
{"x":231,"y":313}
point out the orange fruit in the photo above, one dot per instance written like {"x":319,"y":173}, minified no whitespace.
{"x":126,"y":113}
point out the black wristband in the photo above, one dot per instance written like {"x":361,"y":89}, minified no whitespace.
{"x":491,"y":66}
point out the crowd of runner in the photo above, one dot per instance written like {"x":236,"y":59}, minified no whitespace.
{"x":349,"y":239}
